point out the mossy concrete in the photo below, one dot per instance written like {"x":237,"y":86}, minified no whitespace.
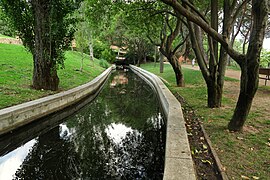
{"x":22,"y":114}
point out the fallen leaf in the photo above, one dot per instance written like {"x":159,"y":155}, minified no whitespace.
{"x":244,"y":177}
{"x":204,"y":146}
{"x":255,"y":177}
{"x":207,"y":161}
{"x":224,"y":168}
{"x":240,"y":138}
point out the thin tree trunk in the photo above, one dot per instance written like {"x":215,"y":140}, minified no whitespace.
{"x":155,"y":57}
{"x":161,"y":63}
{"x":199,"y":34}
{"x":91,"y":51}
{"x":177,"y":71}
{"x":81,"y":68}
{"x":214,"y":25}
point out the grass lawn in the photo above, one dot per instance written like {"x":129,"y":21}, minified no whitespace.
{"x":245,"y":154}
{"x":16,"y":66}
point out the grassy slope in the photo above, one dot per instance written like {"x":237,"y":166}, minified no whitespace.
{"x":244,"y":153}
{"x":16,"y":66}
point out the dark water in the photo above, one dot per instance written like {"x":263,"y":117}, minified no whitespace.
{"x":119,"y":135}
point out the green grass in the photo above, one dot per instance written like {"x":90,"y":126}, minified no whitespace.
{"x":16,"y":66}
{"x":244,"y":153}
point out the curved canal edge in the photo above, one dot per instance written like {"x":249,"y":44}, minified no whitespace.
{"x":22,"y":114}
{"x":178,"y":159}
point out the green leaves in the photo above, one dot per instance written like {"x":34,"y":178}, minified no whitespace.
{"x":265,"y":58}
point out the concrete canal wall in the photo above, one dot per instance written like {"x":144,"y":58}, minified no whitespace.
{"x":19,"y":115}
{"x":178,"y":159}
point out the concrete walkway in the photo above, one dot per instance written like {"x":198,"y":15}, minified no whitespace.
{"x":229,"y":73}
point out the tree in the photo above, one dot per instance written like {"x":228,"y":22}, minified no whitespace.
{"x":81,"y":40}
{"x":169,"y":51}
{"x":83,"y":34}
{"x":5,"y":25}
{"x":249,"y":62}
{"x":160,"y":25}
{"x":213,"y":68}
{"x":44,"y":27}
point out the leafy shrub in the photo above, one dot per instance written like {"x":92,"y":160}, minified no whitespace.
{"x":265,"y":58}
{"x":108,"y":55}
{"x":98,"y":48}
{"x":103,"y":63}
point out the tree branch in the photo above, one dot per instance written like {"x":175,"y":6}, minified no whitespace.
{"x":168,"y":23}
{"x":199,"y":21}
{"x":239,"y":8}
{"x":180,"y":44}
{"x":193,"y":8}
{"x":163,"y":11}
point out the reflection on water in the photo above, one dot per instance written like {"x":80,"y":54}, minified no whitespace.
{"x":120,"y":135}
{"x":119,"y":79}
{"x":117,"y":132}
{"x":12,"y":161}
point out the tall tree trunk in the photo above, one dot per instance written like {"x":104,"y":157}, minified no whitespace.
{"x":214,"y":25}
{"x":214,"y":92}
{"x":45,"y":72}
{"x":177,"y":71}
{"x":250,"y":67}
{"x":91,"y":51}
{"x":199,"y":34}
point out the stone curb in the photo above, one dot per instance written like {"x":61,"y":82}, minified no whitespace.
{"x":178,"y":159}
{"x":19,"y":115}
{"x":216,"y":158}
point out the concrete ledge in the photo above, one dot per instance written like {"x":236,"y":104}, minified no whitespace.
{"x":178,"y":159}
{"x":19,"y":115}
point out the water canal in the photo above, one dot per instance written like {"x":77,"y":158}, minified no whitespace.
{"x":119,"y":135}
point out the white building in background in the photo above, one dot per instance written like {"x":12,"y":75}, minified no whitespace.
{"x":266,"y":44}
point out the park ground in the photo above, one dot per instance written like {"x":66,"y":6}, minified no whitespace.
{"x":16,"y":68}
{"x":244,"y":155}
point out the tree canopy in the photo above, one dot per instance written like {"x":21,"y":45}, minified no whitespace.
{"x":45,"y":29}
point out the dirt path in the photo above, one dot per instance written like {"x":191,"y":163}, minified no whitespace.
{"x":229,"y":73}
{"x":261,"y":102}
{"x":10,"y":41}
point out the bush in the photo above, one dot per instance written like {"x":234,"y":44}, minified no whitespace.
{"x":103,"y":63}
{"x":108,"y":55}
{"x":265,"y":58}
{"x":98,"y":48}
